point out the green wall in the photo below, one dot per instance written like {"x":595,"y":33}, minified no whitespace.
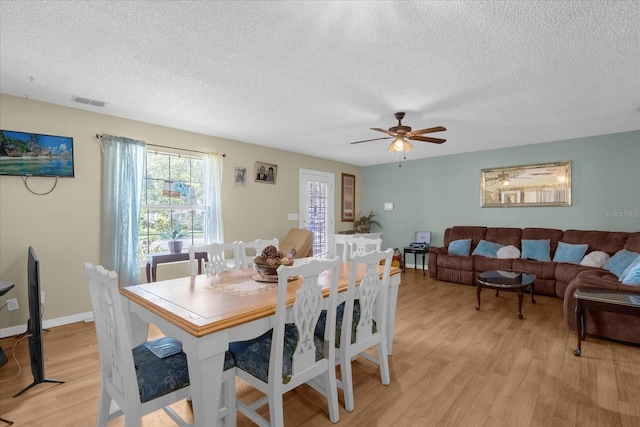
{"x":435,"y":193}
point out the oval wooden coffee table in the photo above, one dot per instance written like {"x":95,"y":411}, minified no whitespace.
{"x":507,"y":281}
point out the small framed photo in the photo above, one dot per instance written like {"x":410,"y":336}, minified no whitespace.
{"x":266,"y":173}
{"x":510,"y":197}
{"x":240,"y":176}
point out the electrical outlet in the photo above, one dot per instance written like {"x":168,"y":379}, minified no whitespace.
{"x":12,"y":304}
{"x":41,"y":297}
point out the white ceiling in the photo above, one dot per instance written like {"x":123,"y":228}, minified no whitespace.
{"x":310,"y":77}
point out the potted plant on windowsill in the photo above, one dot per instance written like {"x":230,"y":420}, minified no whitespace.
{"x":363,"y":223}
{"x":173,"y":236}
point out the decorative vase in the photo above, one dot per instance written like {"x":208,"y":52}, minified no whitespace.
{"x":175,"y":246}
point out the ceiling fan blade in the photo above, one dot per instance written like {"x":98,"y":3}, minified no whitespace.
{"x":374,"y":139}
{"x":427,"y":130}
{"x":426,"y":139}
{"x":385,"y":131}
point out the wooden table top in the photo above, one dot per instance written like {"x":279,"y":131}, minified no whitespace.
{"x":204,"y":304}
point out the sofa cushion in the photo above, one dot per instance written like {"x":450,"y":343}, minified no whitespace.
{"x":595,"y":259}
{"x":633,"y":276}
{"x":554,"y":235}
{"x":621,"y":260}
{"x":460,"y":247}
{"x":475,"y":233}
{"x":633,"y":242}
{"x":606,"y":241}
{"x":538,"y":250}
{"x":570,"y":253}
{"x":486,"y":248}
{"x":508,"y":252}
{"x":627,"y":271}
{"x":504,"y":235}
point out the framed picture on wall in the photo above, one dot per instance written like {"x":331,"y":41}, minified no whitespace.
{"x":240,"y":176}
{"x":348,"y":197}
{"x":266,"y":173}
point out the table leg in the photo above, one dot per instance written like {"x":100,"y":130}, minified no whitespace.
{"x":148,"y":271}
{"x":520,"y":295}
{"x":424,"y":255}
{"x":533,"y":301}
{"x":478,"y":289}
{"x":579,"y":327}
{"x":404,"y":261}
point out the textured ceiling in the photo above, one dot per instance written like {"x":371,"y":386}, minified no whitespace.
{"x":310,"y":77}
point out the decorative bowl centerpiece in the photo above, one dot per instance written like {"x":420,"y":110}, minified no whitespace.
{"x":268,"y":261}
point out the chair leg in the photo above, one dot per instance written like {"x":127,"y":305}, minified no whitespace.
{"x":347,"y":383}
{"x":276,"y":410}
{"x":331,"y":387}
{"x":104,"y":407}
{"x":383,"y":361}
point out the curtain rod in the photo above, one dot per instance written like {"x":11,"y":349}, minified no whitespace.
{"x":172,"y":148}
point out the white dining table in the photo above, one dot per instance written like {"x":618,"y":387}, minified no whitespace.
{"x":206,"y":312}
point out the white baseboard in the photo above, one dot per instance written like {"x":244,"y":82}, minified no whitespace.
{"x":51,"y":323}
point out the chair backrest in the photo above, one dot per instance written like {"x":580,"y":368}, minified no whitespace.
{"x":359,"y":246}
{"x":315,"y":274}
{"x":248,"y":250}
{"x":371,"y":295}
{"x":299,"y":239}
{"x":112,"y":329}
{"x":216,"y":253}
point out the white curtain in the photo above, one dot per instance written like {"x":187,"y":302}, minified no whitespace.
{"x":213,"y":229}
{"x":122,"y":172}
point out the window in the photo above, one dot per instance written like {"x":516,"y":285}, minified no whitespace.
{"x":172,"y":199}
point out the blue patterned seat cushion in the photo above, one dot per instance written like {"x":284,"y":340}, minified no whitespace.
{"x":339,"y":316}
{"x":253,"y":355}
{"x":157,"y":377}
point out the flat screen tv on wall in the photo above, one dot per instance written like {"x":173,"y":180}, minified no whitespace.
{"x":35,"y":154}
{"x":34,"y":324}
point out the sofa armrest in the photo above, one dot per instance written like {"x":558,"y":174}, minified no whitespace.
{"x":432,"y":259}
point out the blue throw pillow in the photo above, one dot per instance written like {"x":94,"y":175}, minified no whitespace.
{"x":538,"y":250}
{"x":486,"y":248}
{"x":567,"y":252}
{"x":633,"y":277}
{"x":621,"y":260}
{"x":460,"y":247}
{"x":627,"y":270}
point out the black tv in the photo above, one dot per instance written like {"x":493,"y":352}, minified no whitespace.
{"x":35,"y":154}
{"x":34,"y":324}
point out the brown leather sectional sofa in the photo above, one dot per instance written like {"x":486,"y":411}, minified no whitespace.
{"x":553,"y":278}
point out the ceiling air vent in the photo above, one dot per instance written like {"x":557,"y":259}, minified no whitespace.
{"x":88,"y":101}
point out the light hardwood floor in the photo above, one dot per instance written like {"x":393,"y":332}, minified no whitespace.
{"x":451,"y":366}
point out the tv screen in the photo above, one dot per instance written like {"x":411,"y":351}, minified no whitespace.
{"x":34,"y":154}
{"x":34,"y":325}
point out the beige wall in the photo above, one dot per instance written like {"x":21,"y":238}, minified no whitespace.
{"x":63,"y":226}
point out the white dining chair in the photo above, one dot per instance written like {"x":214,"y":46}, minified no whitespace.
{"x":248,"y":250}
{"x":359,"y":246}
{"x":218,"y":259}
{"x":289,"y":355}
{"x":362,"y":320}
{"x":133,"y":380}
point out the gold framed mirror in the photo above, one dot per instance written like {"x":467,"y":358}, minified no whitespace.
{"x":546,"y":184}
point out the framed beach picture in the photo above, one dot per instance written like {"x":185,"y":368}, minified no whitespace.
{"x":266,"y":173}
{"x":545,"y":184}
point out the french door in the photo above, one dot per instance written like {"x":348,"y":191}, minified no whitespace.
{"x":317,"y":208}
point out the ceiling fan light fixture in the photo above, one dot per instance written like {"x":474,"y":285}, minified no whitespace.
{"x":407,"y":146}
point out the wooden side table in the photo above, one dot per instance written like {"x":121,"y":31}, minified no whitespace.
{"x":601,"y":300}
{"x":154,"y":260}
{"x":415,"y":251}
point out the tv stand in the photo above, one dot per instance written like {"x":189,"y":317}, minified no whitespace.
{"x":35,"y":383}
